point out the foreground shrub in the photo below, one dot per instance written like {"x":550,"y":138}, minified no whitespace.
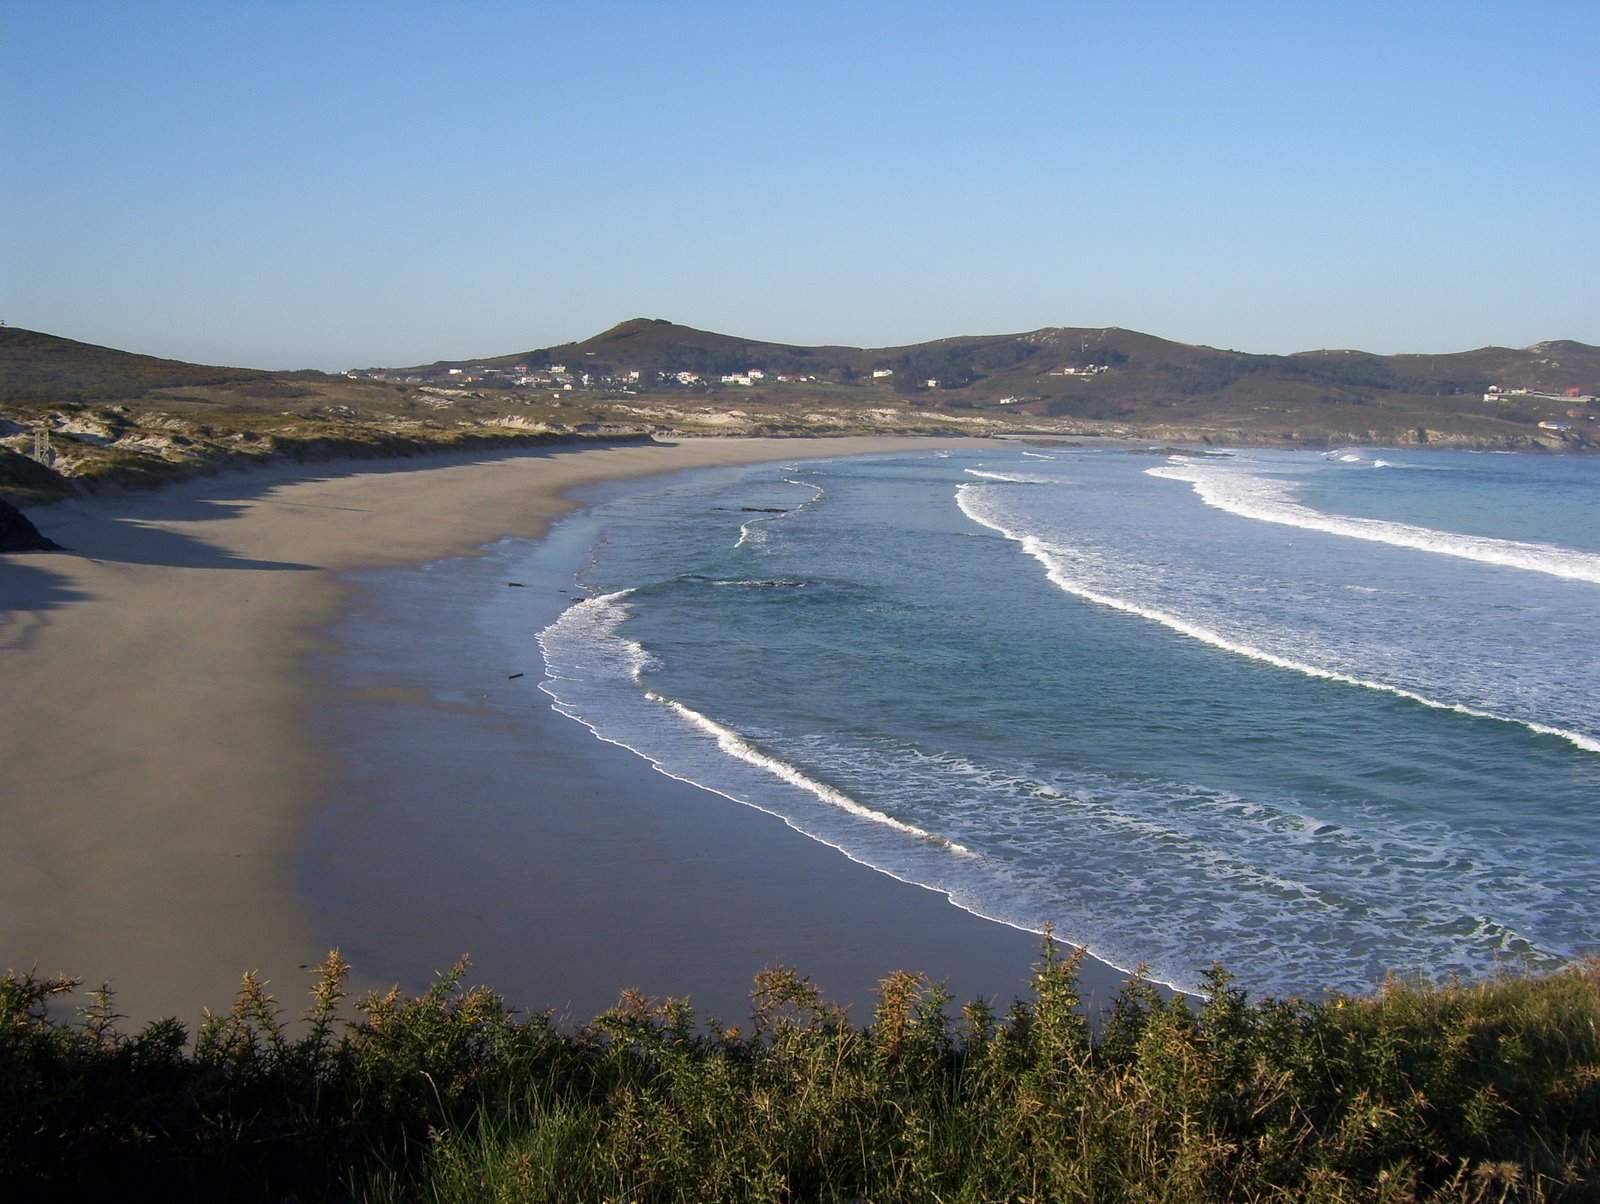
{"x":1465,"y":1092}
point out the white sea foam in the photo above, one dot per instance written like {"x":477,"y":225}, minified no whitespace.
{"x":753,"y":533}
{"x":1012,"y":478}
{"x":583,"y":644}
{"x":583,"y":641}
{"x":1057,"y":563}
{"x":1149,"y":851}
{"x":1271,"y":500}
{"x":734,"y":745}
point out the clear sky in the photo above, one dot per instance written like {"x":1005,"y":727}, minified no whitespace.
{"x":335,"y":185}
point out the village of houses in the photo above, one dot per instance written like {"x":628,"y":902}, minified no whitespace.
{"x":1579,"y":405}
{"x":1580,"y":409}
{"x":559,"y":379}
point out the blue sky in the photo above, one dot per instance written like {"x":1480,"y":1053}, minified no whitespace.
{"x":349,"y":184}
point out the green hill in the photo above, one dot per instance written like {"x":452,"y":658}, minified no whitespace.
{"x":73,"y":414}
{"x":1492,"y":396}
{"x":37,"y":367}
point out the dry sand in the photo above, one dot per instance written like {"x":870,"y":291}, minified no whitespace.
{"x":174,"y":812}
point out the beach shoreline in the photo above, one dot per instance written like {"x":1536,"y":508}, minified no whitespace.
{"x":166,"y":760}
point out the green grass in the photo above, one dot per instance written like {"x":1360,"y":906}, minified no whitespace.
{"x":1464,"y":1092}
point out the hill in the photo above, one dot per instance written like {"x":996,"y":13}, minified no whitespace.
{"x":45,"y":368}
{"x":1492,"y":395}
{"x":75,"y":415}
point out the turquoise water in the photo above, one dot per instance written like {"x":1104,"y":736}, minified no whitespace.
{"x":1320,"y":717}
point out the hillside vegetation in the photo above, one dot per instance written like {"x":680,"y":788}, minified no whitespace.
{"x":75,"y":416}
{"x":1487,"y":1092}
{"x":1103,"y":380}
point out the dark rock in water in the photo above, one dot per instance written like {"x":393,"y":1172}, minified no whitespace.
{"x":17,"y":534}
{"x":1180,"y":451}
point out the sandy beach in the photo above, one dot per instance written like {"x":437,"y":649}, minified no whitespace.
{"x":179,"y":807}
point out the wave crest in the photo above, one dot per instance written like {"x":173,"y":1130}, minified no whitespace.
{"x":1270,"y":500}
{"x":1057,"y":563}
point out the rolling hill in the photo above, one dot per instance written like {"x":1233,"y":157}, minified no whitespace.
{"x":73,"y":414}
{"x":1099,"y":374}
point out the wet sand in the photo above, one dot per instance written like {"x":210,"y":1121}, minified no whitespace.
{"x":198,"y":780}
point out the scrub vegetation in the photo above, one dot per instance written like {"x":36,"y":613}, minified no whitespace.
{"x":1486,"y":1091}
{"x":78,"y":418}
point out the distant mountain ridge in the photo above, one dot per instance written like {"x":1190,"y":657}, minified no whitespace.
{"x":115,"y":411}
{"x":1036,"y":363}
{"x":43,"y":367}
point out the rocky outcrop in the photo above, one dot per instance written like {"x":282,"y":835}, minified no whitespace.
{"x":18,"y":534}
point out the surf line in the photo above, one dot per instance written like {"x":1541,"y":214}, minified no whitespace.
{"x":1267,"y":502}
{"x":736,"y":746}
{"x":753,"y":533}
{"x":584,"y":644}
{"x":1040,"y":551}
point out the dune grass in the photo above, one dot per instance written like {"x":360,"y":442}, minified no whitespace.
{"x":1485,"y":1091}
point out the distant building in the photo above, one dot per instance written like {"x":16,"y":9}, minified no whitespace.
{"x":880,"y":373}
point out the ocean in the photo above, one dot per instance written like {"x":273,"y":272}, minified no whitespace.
{"x":1320,"y":717}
